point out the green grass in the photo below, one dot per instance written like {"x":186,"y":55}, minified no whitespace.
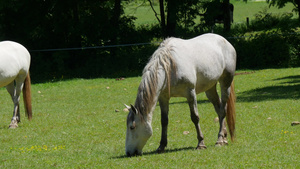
{"x":75,"y":125}
{"x":242,"y":10}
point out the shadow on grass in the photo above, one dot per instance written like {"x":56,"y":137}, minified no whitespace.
{"x":155,"y":153}
{"x":293,"y":79}
{"x":289,"y":89}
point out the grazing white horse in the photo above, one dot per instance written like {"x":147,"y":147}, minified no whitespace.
{"x":14,"y":74}
{"x":184,"y":68}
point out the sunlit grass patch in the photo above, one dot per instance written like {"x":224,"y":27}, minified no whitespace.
{"x":75,"y":125}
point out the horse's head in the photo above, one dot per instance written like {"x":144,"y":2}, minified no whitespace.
{"x":138,"y":132}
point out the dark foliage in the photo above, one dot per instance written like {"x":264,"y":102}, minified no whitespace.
{"x":275,"y":43}
{"x":39,"y":24}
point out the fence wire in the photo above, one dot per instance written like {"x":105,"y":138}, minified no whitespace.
{"x":139,"y":44}
{"x":94,"y":47}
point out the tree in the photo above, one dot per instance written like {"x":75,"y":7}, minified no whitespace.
{"x":172,"y":17}
{"x":282,"y":3}
{"x":56,"y":24}
{"x":178,"y":13}
{"x":226,"y":15}
{"x":162,"y":16}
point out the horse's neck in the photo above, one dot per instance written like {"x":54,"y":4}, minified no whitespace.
{"x":148,"y":95}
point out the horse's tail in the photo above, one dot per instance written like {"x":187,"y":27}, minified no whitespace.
{"x":230,"y":115}
{"x":27,"y":96}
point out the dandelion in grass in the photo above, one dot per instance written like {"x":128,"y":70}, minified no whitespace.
{"x":35,"y":148}
{"x":45,"y":147}
{"x":286,"y":132}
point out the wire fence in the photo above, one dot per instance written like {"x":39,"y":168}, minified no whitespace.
{"x":94,"y":47}
{"x":140,"y":44}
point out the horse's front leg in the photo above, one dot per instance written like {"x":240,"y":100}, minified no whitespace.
{"x":164,"y":107}
{"x":192,"y":100}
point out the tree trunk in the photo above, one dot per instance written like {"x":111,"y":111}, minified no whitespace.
{"x":76,"y":39}
{"x":116,"y":17}
{"x":298,"y":6}
{"x":162,"y":18}
{"x":226,"y":16}
{"x":115,"y":31}
{"x":171,"y":17}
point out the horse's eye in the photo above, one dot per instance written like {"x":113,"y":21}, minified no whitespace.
{"x":132,"y":126}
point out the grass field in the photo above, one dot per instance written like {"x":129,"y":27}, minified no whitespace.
{"x":242,"y":10}
{"x":75,"y":125}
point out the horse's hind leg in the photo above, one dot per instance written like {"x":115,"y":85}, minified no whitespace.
{"x":15,"y":91}
{"x":192,"y":100}
{"x":213,"y":97}
{"x":225,"y":84}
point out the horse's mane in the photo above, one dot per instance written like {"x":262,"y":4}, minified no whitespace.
{"x":148,"y":88}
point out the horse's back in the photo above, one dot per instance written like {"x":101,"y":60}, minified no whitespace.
{"x":202,"y":60}
{"x":204,"y":50}
{"x":14,"y":62}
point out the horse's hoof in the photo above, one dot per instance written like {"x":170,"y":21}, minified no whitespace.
{"x":221,"y":143}
{"x":13,"y":126}
{"x":218,"y":145}
{"x":202,"y":147}
{"x":295,"y":123}
{"x":160,"y":150}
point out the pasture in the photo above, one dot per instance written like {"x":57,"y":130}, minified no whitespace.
{"x":80,"y":123}
{"x":242,"y":10}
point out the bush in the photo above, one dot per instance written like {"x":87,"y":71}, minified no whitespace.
{"x":267,"y":50}
{"x":270,"y":41}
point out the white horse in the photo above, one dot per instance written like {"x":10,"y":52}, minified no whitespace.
{"x":184,"y":68}
{"x":14,"y":74}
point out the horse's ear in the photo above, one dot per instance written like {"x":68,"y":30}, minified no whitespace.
{"x":128,"y":107}
{"x":134,"y":109}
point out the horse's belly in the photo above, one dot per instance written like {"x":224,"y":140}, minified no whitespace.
{"x":5,"y":81}
{"x":182,"y":89}
{"x":200,"y":82}
{"x":7,"y":74}
{"x":202,"y":87}
{"x":206,"y":81}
